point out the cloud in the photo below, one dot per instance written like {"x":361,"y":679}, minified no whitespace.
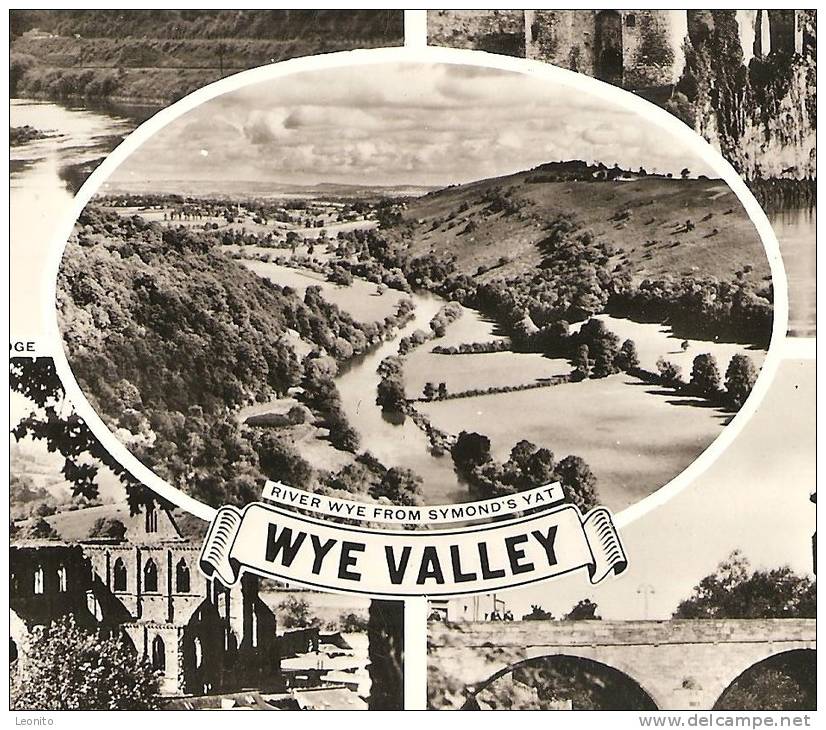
{"x":401,"y":123}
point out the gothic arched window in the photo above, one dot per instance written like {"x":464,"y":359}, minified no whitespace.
{"x":254,"y":629}
{"x":182,"y":582}
{"x":38,"y":580}
{"x":151,"y":519}
{"x":198,"y":651}
{"x":150,"y":577}
{"x":158,"y":654}
{"x":119,"y":575}
{"x":61,"y":579}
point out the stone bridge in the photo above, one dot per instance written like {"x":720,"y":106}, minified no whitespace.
{"x":680,"y":664}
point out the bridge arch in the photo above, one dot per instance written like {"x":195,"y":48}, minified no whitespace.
{"x":803,"y":663}
{"x":628,"y":686}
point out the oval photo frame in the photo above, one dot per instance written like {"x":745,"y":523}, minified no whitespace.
{"x":423,"y":55}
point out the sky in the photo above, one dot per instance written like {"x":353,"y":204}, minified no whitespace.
{"x":753,"y":498}
{"x":399,"y":124}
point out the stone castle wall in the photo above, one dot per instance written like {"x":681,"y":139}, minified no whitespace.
{"x":201,"y":637}
{"x":647,"y":43}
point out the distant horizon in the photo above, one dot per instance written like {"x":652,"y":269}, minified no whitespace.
{"x":403,"y":124}
{"x":168,"y":186}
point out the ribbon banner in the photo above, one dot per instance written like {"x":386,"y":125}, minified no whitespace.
{"x":545,"y":496}
{"x":274,"y":543}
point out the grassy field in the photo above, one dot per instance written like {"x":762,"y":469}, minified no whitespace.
{"x":635,"y":437}
{"x":654,"y":341}
{"x":651,"y":238}
{"x":359,"y":300}
{"x":466,"y":372}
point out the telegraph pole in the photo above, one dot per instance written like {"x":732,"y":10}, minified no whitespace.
{"x":646,"y":590}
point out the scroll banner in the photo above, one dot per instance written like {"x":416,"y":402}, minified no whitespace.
{"x":545,"y":496}
{"x":271,"y":542}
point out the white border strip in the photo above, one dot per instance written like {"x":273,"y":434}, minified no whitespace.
{"x":416,"y":55}
{"x":800,"y":348}
{"x":415,"y":653}
{"x":415,"y":28}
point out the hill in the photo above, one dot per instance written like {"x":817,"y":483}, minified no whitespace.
{"x":657,"y":226}
{"x":157,"y":56}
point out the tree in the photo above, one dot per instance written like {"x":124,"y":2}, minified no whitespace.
{"x":108,"y":527}
{"x":684,"y":173}
{"x":705,"y":376}
{"x":538,"y":614}
{"x":603,"y":347}
{"x":294,"y":613}
{"x":429,"y":391}
{"x":582,"y":362}
{"x":470,"y":450}
{"x":442,"y":391}
{"x":390,"y":394}
{"x":281,"y":462}
{"x":352,"y":623}
{"x":740,"y":378}
{"x":627,"y":359}
{"x":585,"y":610}
{"x":735,"y":591}
{"x":66,"y":433}
{"x":68,"y":668}
{"x":578,"y":482}
{"x":385,"y":631}
{"x":39,"y":529}
{"x":670,"y":373}
{"x":292,"y":240}
{"x":784,"y":682}
{"x":399,"y":486}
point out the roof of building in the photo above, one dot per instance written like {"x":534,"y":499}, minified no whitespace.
{"x":328,"y":698}
{"x":251,"y":700}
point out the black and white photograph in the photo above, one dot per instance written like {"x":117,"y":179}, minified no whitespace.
{"x":104,"y":575}
{"x":413,"y":360}
{"x":81,"y":80}
{"x":743,"y":79}
{"x":312,"y":289}
{"x":716,"y":610}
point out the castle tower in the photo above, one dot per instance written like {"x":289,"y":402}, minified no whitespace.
{"x":634,"y":49}
{"x":779,"y":31}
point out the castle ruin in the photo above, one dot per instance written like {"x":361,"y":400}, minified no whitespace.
{"x":200,"y":636}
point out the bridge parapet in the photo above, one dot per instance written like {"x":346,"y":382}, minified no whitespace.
{"x":610,"y":633}
{"x":680,"y":664}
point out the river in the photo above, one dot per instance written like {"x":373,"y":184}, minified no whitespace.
{"x":45,"y":175}
{"x":396,"y":440}
{"x":796,"y":230}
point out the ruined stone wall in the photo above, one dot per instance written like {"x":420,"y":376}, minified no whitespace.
{"x":562,"y":37}
{"x":574,"y":39}
{"x":650,"y":51}
{"x":167,"y":603}
{"x":494,"y":31}
{"x":50,"y":600}
{"x":143,"y":636}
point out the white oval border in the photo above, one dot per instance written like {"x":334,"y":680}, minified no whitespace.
{"x":420,"y":55}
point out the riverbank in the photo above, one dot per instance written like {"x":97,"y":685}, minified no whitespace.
{"x":157,"y":58}
{"x":777,"y":194}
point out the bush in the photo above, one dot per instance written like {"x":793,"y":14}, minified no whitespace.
{"x":108,"y":527}
{"x":68,"y":668}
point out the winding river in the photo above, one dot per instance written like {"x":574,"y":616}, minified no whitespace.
{"x":45,"y":175}
{"x":397,"y":441}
